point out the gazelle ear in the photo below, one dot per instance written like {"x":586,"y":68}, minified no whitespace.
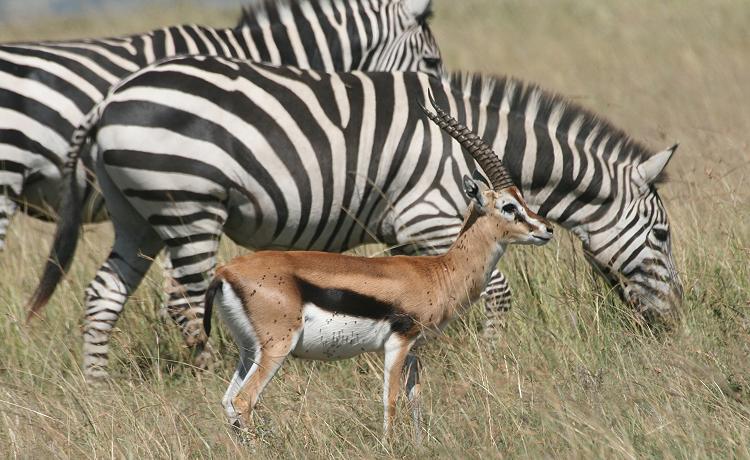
{"x":650,"y":170}
{"x":474,"y":191}
{"x":417,"y":8}
{"x":471,"y":189}
{"x":477,"y":176}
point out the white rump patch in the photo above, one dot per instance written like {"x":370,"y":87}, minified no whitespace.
{"x":328,"y":336}
{"x":234,"y":315}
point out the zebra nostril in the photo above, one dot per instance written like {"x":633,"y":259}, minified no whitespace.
{"x":550,"y":230}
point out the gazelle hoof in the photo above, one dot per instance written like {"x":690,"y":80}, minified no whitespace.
{"x":233,"y":416}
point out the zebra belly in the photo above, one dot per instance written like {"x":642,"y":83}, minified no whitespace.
{"x":329,"y":336}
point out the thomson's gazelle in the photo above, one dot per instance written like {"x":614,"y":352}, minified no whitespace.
{"x":327,"y":306}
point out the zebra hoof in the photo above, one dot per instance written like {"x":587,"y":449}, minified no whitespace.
{"x":163,"y":314}
{"x":492,"y":330}
{"x":204,"y":360}
{"x":96,"y":377}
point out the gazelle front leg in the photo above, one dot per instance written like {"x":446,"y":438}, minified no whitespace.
{"x":396,"y":350}
{"x":413,"y":388}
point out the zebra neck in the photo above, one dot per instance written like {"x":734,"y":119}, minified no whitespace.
{"x":267,"y":24}
{"x":569,"y":164}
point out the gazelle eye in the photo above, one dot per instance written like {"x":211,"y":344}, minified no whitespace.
{"x":660,"y":234}
{"x":509,"y":208}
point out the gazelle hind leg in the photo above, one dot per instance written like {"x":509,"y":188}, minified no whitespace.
{"x":232,"y":311}
{"x":497,"y":297}
{"x":269,"y":359}
{"x":396,"y":350}
{"x":246,"y":367}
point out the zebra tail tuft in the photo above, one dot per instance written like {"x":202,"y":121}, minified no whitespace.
{"x":208,"y":305}
{"x":68,"y":226}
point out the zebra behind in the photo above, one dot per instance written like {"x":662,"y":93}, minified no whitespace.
{"x":285,"y":158}
{"x":47,"y":88}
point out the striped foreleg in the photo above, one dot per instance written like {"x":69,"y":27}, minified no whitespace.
{"x":497,"y":302}
{"x":7,"y":209}
{"x":170,"y":286}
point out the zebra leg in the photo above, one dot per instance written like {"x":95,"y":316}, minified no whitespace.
{"x":7,"y":209}
{"x":193,"y":259}
{"x":497,"y":298}
{"x":134,"y":249}
{"x":170,"y":287}
{"x":136,"y":244}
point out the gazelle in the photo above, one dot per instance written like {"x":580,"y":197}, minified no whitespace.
{"x":325,"y":306}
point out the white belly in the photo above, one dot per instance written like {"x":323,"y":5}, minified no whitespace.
{"x":328,"y":336}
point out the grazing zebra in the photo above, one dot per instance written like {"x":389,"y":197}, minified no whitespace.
{"x":46,"y":88}
{"x":285,"y":158}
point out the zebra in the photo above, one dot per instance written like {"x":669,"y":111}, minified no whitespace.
{"x":47,"y":88}
{"x":280,"y":157}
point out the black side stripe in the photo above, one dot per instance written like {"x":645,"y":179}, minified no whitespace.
{"x":353,"y":303}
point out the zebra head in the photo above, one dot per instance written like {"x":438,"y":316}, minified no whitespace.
{"x":409,"y":44}
{"x":632,"y":247}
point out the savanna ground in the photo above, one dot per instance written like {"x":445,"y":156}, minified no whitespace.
{"x":570,"y":377}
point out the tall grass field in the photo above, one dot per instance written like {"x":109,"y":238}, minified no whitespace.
{"x":571,"y":376}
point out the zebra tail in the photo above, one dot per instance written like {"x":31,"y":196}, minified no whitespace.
{"x":208,"y":305}
{"x":68,"y":224}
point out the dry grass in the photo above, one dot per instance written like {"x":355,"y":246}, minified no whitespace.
{"x":571,"y":377}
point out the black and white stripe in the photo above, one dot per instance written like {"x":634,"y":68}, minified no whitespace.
{"x":283,"y":158}
{"x":47,"y":88}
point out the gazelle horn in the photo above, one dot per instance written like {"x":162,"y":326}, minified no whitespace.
{"x":484,"y":155}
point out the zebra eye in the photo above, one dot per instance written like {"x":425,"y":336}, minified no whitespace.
{"x":660,"y":234}
{"x":509,"y":208}
{"x":432,"y":62}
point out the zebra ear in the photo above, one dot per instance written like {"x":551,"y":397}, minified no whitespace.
{"x":652,"y":168}
{"x":418,"y":8}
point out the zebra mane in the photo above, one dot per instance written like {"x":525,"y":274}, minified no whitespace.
{"x":490,"y":90}
{"x":250,"y":12}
